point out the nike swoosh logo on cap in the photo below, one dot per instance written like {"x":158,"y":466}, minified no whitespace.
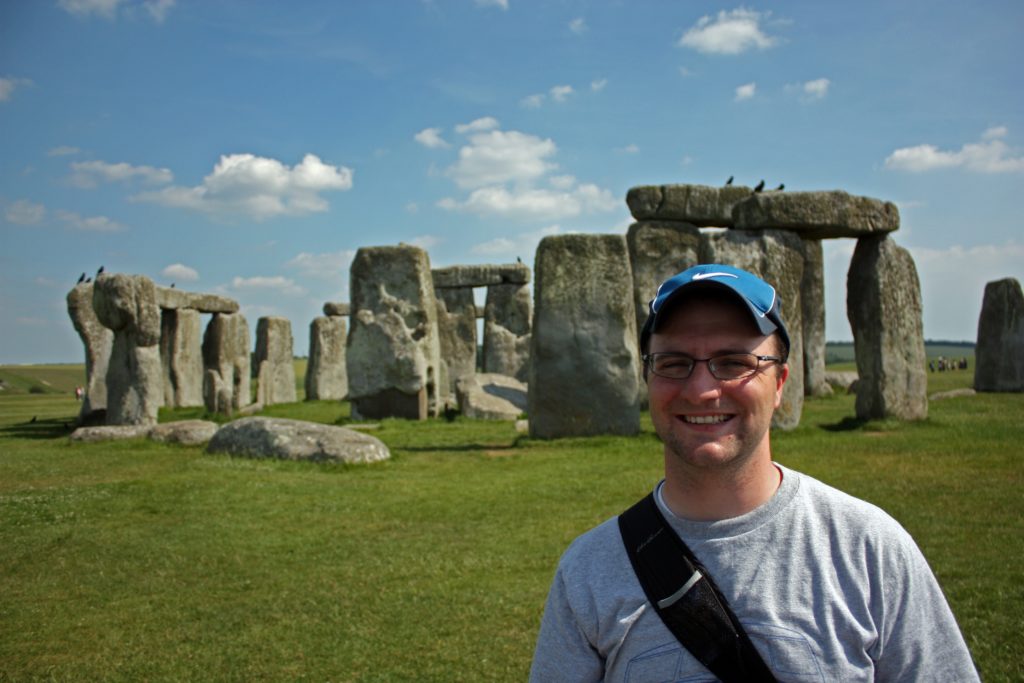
{"x":703,"y":276}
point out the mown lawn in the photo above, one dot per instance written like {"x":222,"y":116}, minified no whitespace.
{"x":140,"y":561}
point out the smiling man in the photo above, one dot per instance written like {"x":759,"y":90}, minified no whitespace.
{"x":735,"y":567}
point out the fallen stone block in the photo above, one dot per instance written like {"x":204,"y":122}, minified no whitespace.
{"x":266,"y":437}
{"x":488,"y":396}
{"x":184,"y":432}
{"x":110,"y":433}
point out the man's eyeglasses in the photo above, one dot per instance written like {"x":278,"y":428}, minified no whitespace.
{"x":727,"y":366}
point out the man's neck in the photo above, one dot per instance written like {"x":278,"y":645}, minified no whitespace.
{"x":712,"y":495}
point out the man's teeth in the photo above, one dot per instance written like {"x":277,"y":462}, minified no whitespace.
{"x":705,"y":419}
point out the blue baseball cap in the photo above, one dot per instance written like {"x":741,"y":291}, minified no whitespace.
{"x":759,"y":296}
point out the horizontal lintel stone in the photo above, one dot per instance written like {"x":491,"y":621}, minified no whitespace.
{"x":332,"y":308}
{"x":170,"y":298}
{"x":701,"y":205}
{"x":481,"y":276}
{"x":816,"y":215}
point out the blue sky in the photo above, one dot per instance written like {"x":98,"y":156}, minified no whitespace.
{"x":249,"y":148}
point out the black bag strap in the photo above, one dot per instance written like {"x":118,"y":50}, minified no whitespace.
{"x":685,"y":597}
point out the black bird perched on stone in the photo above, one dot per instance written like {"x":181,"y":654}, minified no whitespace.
{"x":781,"y":187}
{"x":33,"y":420}
{"x":759,"y":187}
{"x":99,"y":272}
{"x":81,"y":279}
{"x":172,"y":285}
{"x":88,"y":280}
{"x":518,"y":260}
{"x":729,"y":181}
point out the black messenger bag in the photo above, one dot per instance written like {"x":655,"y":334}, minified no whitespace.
{"x":685,"y":597}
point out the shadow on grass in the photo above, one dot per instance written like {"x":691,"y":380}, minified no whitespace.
{"x":52,"y":428}
{"x":461,"y":448}
{"x":847,"y":424}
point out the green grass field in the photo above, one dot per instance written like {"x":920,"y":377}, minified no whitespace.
{"x":141,"y":561}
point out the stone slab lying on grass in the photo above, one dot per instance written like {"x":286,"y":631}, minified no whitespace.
{"x":488,"y":396}
{"x":186,"y":432}
{"x":952,"y":393}
{"x":841,"y":381}
{"x":269,"y":437}
{"x":109,"y":433}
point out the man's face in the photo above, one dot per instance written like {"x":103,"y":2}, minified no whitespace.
{"x":706,"y":422}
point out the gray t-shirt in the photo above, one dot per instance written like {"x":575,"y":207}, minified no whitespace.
{"x":828,"y":587}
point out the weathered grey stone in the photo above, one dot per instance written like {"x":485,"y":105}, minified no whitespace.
{"x":583,"y":350}
{"x":226,"y":385}
{"x":456,"y":327}
{"x":841,"y":380}
{"x":481,"y":311}
{"x":170,"y":298}
{"x":883,"y":304}
{"x":274,"y":347}
{"x":110,"y":433}
{"x":265,"y":437}
{"x":334,"y":308}
{"x":701,"y":205}
{"x":999,"y":353}
{"x":507,"y":318}
{"x":778,"y":258}
{"x":127,"y":305}
{"x":816,"y":215}
{"x":488,"y":396}
{"x":184,"y":432}
{"x":393,"y":352}
{"x":98,"y":341}
{"x":481,"y":275}
{"x":326,"y":375}
{"x":812,"y":304}
{"x":657,"y":251}
{"x":952,"y":393}
{"x":181,"y":355}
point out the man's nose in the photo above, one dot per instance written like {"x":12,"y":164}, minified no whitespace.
{"x":701,"y":385}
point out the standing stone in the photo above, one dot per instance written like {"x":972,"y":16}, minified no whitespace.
{"x":999,"y":353}
{"x":507,"y":319}
{"x":456,"y":327}
{"x":275,"y":360}
{"x":98,"y":341}
{"x":181,"y":355}
{"x":127,"y":305}
{"x":583,"y":347}
{"x":226,"y":385}
{"x":657,"y":251}
{"x":326,"y":375}
{"x":777,"y":257}
{"x":812,"y":303}
{"x":394,"y":353}
{"x":883,"y":304}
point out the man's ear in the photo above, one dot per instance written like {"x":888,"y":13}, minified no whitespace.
{"x":780,"y":379}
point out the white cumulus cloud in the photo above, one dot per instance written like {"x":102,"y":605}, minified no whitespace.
{"x":599,"y":84}
{"x":8,"y":85}
{"x":275,"y":283}
{"x":108,"y":9}
{"x":431,"y":137}
{"x":729,"y":33}
{"x":496,"y":156}
{"x":560,"y":93}
{"x":90,"y":173}
{"x":534,"y":203}
{"x":991,"y":155}
{"x":323,"y":266}
{"x":258,"y":187}
{"x":534,"y":101}
{"x":179,"y":271}
{"x":482,"y":123}
{"x":89,"y":224}
{"x":62,"y":151}
{"x":578,"y":25}
{"x":24,"y":212}
{"x":745,"y":91}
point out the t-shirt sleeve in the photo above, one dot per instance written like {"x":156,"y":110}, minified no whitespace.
{"x":920,"y":639}
{"x":564,"y":652}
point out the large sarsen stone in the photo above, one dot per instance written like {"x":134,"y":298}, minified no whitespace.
{"x":266,"y":437}
{"x":999,"y":354}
